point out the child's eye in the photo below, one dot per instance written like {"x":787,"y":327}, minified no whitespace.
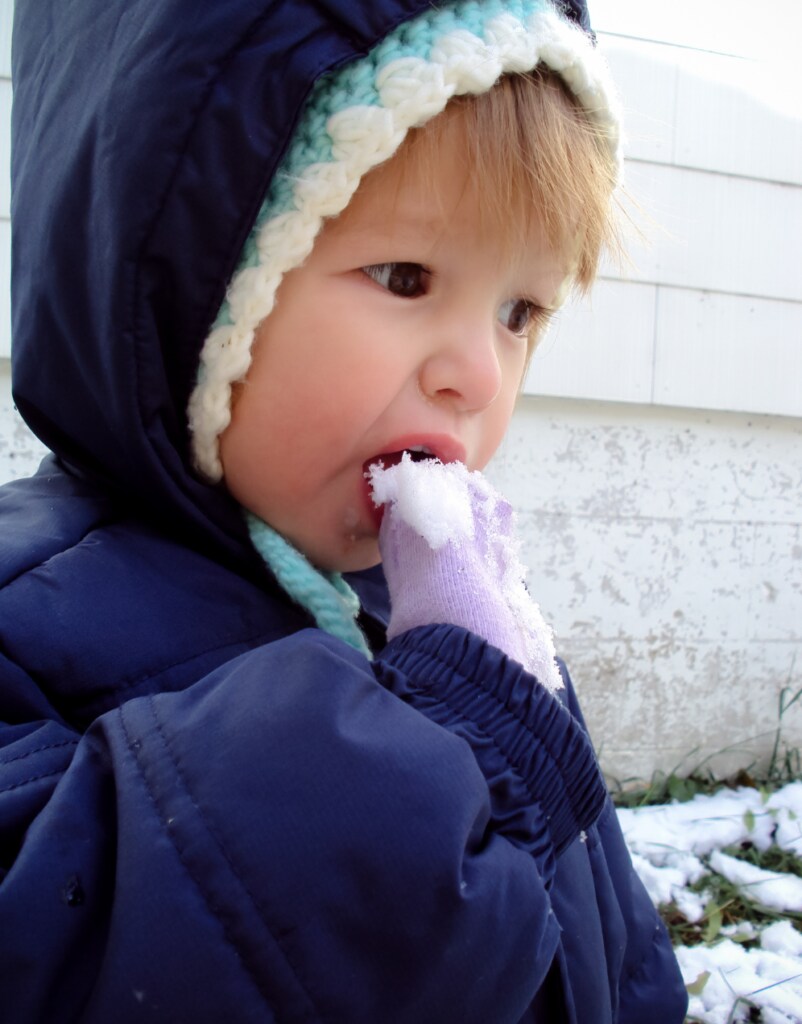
{"x":407,"y":280}
{"x":520,"y":315}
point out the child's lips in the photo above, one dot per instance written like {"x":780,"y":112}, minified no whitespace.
{"x":420,"y":446}
{"x":387,"y":459}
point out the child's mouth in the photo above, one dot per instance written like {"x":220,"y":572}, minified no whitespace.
{"x":416,"y":452}
{"x":439,"y":447}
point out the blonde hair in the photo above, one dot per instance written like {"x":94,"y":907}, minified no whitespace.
{"x":533,"y":155}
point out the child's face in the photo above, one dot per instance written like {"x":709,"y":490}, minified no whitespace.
{"x":406,"y":326}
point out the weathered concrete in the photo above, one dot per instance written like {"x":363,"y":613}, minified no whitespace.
{"x":20,"y":451}
{"x":665,"y":547}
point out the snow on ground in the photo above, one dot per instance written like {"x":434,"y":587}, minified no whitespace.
{"x":676,"y":845}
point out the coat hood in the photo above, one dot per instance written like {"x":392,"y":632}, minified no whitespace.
{"x":145,"y":136}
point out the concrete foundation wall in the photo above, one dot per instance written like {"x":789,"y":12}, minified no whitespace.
{"x":20,"y":451}
{"x":665,"y":548}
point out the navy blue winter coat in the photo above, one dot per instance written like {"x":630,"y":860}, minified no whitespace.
{"x":209,"y":810}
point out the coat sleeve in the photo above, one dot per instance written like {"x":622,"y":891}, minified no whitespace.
{"x":302,"y":835}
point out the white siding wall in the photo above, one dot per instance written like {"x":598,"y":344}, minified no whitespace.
{"x":656,"y":456}
{"x":710,"y":312}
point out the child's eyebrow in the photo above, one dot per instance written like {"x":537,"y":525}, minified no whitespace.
{"x":425,"y":226}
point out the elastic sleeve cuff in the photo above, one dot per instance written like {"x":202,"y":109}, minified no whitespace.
{"x":546,"y":785}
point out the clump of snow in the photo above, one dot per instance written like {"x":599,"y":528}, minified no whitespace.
{"x":740,"y":931}
{"x":739,"y":978}
{"x":432,"y":497}
{"x":666,"y":883}
{"x":692,"y":905}
{"x":679,"y":844}
{"x":786,"y":805}
{"x":782,"y":937}
{"x":769,"y":888}
{"x":703,"y":824}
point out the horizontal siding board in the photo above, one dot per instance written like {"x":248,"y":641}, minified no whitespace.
{"x":728,"y":352}
{"x":717,"y":232}
{"x":771,"y":31}
{"x":599,"y":347}
{"x":739,"y":117}
{"x":709,"y":111}
{"x":646,"y":76}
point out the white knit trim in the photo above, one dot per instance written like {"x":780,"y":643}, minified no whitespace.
{"x":412,"y":91}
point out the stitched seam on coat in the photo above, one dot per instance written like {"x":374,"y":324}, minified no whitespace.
{"x":38,"y":750}
{"x":205,"y":896}
{"x":33,"y":778}
{"x":7,"y":584}
{"x":212,"y":832}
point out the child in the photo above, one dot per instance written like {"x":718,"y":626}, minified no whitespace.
{"x":225,"y":796}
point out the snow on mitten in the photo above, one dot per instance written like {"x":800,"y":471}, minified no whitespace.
{"x":450,"y":555}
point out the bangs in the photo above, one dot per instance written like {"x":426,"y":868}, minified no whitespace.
{"x":534,"y":158}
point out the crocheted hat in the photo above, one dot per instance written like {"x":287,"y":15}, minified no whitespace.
{"x":356,"y":118}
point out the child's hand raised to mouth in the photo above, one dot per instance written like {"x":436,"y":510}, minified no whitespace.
{"x":450,"y":555}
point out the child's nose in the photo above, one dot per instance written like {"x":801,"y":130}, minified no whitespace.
{"x":464,"y":368}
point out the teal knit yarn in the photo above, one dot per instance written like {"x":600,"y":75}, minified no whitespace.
{"x":331,"y":602}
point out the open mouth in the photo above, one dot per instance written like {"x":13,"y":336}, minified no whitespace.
{"x":416,"y":452}
{"x":421,"y":448}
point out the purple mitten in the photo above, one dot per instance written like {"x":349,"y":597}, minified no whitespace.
{"x":450,"y":555}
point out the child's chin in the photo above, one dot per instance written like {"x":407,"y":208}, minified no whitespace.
{"x":356,"y":554}
{"x":364,"y":556}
